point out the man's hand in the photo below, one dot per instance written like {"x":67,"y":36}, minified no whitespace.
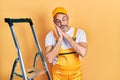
{"x":59,"y":32}
{"x":80,"y":48}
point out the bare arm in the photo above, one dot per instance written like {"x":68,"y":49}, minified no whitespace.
{"x":80,"y":48}
{"x":52,"y":52}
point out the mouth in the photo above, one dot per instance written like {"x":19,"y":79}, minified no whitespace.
{"x":63,"y":26}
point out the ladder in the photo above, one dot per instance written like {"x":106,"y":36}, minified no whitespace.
{"x":31,"y":74}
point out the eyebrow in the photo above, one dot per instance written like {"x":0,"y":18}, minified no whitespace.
{"x":63,"y":16}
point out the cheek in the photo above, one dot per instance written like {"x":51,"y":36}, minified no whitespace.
{"x":58,"y":24}
{"x":66,"y":22}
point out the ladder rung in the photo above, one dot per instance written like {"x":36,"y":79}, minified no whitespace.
{"x":34,"y":73}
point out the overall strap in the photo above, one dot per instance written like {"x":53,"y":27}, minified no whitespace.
{"x":74,"y":34}
{"x":66,"y":51}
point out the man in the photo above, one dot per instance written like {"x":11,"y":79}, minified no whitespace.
{"x":64,"y":46}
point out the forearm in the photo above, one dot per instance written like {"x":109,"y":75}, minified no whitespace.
{"x":77,"y":47}
{"x":50,"y":55}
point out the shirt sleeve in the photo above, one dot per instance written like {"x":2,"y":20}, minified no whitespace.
{"x":49,"y":40}
{"x":81,"y":36}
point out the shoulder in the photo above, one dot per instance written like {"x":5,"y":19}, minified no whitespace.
{"x":49,"y":36}
{"x":49,"y":40}
{"x":80,"y":31}
{"x":50,"y":33}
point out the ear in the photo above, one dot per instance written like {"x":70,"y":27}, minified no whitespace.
{"x":67,"y":17}
{"x":53,"y":21}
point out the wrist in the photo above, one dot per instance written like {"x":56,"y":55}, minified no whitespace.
{"x":60,"y":41}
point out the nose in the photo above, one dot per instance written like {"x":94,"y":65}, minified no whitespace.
{"x":61,"y":22}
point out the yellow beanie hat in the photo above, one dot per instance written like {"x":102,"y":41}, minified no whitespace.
{"x":59,"y":10}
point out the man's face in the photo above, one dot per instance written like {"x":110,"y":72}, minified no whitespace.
{"x":61,"y":20}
